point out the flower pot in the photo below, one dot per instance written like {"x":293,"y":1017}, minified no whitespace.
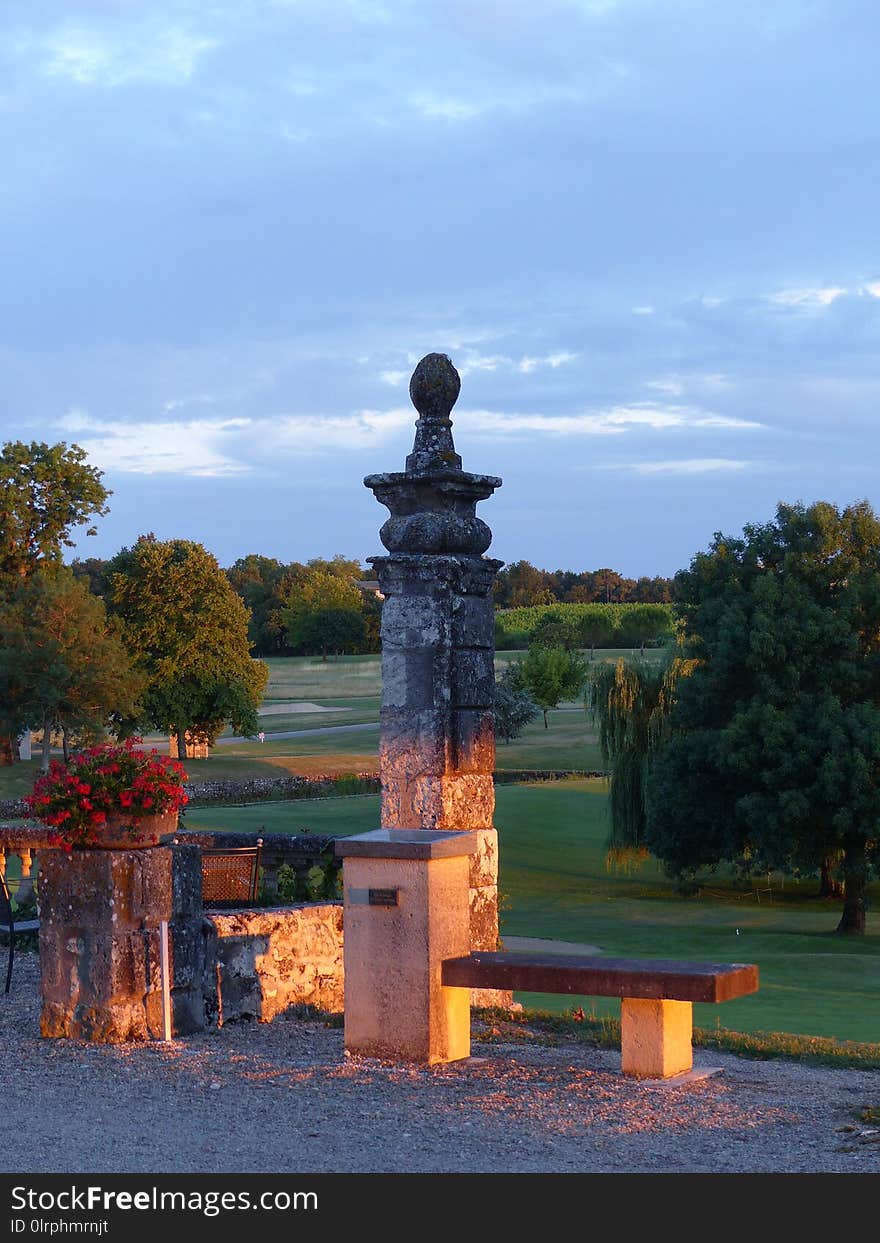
{"x":123,"y":831}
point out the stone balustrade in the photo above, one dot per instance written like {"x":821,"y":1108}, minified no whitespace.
{"x":22,"y":840}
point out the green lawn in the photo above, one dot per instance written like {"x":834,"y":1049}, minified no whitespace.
{"x":554,"y":884}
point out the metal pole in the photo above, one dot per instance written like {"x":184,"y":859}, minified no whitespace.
{"x":165,"y":972}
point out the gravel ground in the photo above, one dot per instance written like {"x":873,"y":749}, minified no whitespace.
{"x":283,"y":1098}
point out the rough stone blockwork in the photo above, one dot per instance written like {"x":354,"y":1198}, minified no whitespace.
{"x":99,"y":942}
{"x":258,"y":963}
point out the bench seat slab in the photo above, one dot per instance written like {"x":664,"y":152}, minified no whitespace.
{"x":580,"y":975}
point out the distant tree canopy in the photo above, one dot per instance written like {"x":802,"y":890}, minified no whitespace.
{"x":773,"y":754}
{"x":45,"y":492}
{"x":279,"y":597}
{"x":187,"y":632}
{"x":521,"y":585}
{"x":264,"y":585}
{"x":62,"y":667}
{"x":320,"y":595}
{"x":333,"y":631}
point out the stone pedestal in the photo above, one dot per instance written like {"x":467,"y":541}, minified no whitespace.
{"x":437,"y":744}
{"x":406,"y":910}
{"x":655,"y":1037}
{"x":99,"y":942}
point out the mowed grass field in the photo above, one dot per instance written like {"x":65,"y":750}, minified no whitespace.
{"x":554,"y":884}
{"x":346,"y":692}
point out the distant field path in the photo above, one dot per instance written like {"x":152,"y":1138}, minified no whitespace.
{"x":304,"y":733}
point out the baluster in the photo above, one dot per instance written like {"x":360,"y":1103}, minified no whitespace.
{"x":26,"y":885}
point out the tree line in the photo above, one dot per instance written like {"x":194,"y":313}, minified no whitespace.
{"x":521,"y":585}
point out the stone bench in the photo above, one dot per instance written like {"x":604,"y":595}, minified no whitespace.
{"x":657,"y":996}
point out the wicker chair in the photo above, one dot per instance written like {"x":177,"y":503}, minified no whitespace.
{"x":230,"y":877}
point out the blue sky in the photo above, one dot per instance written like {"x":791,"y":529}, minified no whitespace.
{"x":645,"y":233}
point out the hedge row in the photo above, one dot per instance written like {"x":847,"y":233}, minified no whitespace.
{"x":280,"y":789}
{"x":514,"y":627}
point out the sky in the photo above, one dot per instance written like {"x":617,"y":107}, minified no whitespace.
{"x":646,"y":235}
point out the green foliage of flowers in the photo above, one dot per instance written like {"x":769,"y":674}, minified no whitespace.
{"x":320,"y":883}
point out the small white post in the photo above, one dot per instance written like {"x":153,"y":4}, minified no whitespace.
{"x":165,"y":972}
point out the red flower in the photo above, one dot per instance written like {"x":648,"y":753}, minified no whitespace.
{"x":79,"y":795}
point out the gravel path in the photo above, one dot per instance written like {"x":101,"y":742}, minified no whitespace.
{"x":282,"y":1097}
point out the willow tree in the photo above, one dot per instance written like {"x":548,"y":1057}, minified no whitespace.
{"x":631,"y":701}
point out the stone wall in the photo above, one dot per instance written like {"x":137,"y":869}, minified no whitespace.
{"x":261,"y":961}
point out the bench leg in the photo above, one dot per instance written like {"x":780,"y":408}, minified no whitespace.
{"x":655,"y":1037}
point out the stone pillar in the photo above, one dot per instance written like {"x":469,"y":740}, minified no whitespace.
{"x":99,"y":942}
{"x":437,"y":746}
{"x":406,"y":910}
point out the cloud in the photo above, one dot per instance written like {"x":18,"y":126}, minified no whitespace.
{"x":683,"y":466}
{"x":676,"y":385}
{"x":615,"y":421}
{"x":223,"y":446}
{"x":808,"y":299}
{"x":318,"y":433}
{"x":447,"y":108}
{"x":643,"y":310}
{"x":525,"y":365}
{"x":517,"y":99}
{"x":473,"y":361}
{"x":394,"y":378}
{"x":199,"y":447}
{"x":94,"y":58}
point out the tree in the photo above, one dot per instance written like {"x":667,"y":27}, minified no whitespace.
{"x":264,"y":585}
{"x":524,"y":585}
{"x":555,"y":630}
{"x":187,"y":631}
{"x":45,"y":491}
{"x":61,"y":665}
{"x":645,"y":623}
{"x":551,"y":675}
{"x":514,"y":706}
{"x":93,"y":572}
{"x":773,"y":758}
{"x":323,"y":585}
{"x":609,"y":586}
{"x":595,"y":628}
{"x":329,"y":630}
{"x":631,"y":702}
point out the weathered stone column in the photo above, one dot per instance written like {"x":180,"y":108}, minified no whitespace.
{"x":437,"y":748}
